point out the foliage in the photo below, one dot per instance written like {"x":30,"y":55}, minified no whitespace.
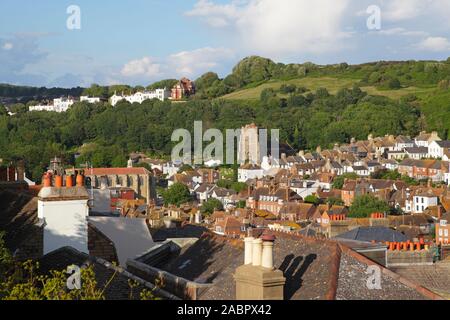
{"x":210,"y":206}
{"x":363,"y":206}
{"x":312,"y":199}
{"x":333,"y":201}
{"x":229,"y":184}
{"x":339,"y":181}
{"x":177,"y":194}
{"x":386,"y":174}
{"x":241,"y":204}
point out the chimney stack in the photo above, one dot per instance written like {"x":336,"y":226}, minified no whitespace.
{"x":256,"y":252}
{"x":257,"y":279}
{"x":248,"y":250}
{"x":267,"y":253}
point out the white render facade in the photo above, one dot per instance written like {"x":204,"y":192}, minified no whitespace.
{"x":421,"y":203}
{"x":89,"y":99}
{"x":59,"y":105}
{"x":64,"y":219}
{"x":247,"y":174}
{"x":140,"y":97}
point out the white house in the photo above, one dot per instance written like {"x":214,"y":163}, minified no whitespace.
{"x":416,"y":153}
{"x":437,"y":149}
{"x":140,"y":97}
{"x":89,"y":99}
{"x":249,"y":171}
{"x":422,"y":201}
{"x":63,"y":104}
{"x":305,"y":188}
{"x":361,"y":171}
{"x":170,"y":169}
{"x":64,"y":212}
{"x":59,"y":105}
{"x":425,"y":139}
{"x":402,"y":142}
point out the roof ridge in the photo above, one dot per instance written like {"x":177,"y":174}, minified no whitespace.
{"x":422,"y":290}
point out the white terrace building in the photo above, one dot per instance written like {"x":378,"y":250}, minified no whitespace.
{"x":140,"y":97}
{"x":59,"y":105}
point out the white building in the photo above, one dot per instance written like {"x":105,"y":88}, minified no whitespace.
{"x":59,"y":105}
{"x":89,"y":99}
{"x":170,"y":169}
{"x":140,"y":97}
{"x":249,"y":172}
{"x":422,"y":201}
{"x":63,"y":104}
{"x":64,"y":212}
{"x":425,"y":139}
{"x":437,"y":149}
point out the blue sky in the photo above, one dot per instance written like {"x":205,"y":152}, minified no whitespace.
{"x":142,"y":41}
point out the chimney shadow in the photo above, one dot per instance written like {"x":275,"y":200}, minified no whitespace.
{"x":293,"y":270}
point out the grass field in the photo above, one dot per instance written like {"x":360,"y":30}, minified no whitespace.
{"x":333,"y":85}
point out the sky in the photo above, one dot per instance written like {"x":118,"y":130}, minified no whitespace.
{"x":138,"y":42}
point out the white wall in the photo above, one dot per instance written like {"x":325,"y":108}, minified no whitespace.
{"x":244,"y":174}
{"x":65,"y":224}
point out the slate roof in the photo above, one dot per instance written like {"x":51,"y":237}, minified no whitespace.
{"x":417,"y":150}
{"x":314,"y":269}
{"x":18,"y":215}
{"x":188,"y":231}
{"x":444,"y":144}
{"x":368,"y":234}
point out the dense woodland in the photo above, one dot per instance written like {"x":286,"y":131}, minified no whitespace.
{"x":307,"y":118}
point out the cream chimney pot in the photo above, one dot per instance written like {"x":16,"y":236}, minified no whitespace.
{"x":257,"y":252}
{"x":267,"y":255}
{"x":248,"y":250}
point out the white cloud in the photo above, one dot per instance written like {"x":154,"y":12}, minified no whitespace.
{"x":198,"y":61}
{"x":280,"y":27}
{"x":435,"y":44}
{"x":141,"y":67}
{"x":185,"y":63}
{"x":401,"y":10}
{"x":216,"y":15}
{"x":397,"y":10}
{"x":401,"y":32}
{"x":7,"y":46}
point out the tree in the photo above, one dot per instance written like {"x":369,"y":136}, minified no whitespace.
{"x":177,"y":194}
{"x":333,"y":201}
{"x":339,"y":181}
{"x":386,"y":174}
{"x":210,"y":206}
{"x":241,"y":204}
{"x":394,"y":84}
{"x":312,"y":199}
{"x":363,"y":206}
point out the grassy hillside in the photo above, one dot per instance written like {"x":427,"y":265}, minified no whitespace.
{"x":333,"y":85}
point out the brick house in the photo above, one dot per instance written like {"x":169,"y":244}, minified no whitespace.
{"x":184,"y":88}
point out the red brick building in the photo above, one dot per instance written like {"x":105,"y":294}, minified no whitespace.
{"x":184,"y":88}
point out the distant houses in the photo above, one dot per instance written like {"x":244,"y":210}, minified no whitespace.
{"x":183,"y":89}
{"x":59,"y":105}
{"x":140,"y":97}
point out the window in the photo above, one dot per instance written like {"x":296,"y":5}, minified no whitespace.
{"x":440,"y":232}
{"x":446,"y":232}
